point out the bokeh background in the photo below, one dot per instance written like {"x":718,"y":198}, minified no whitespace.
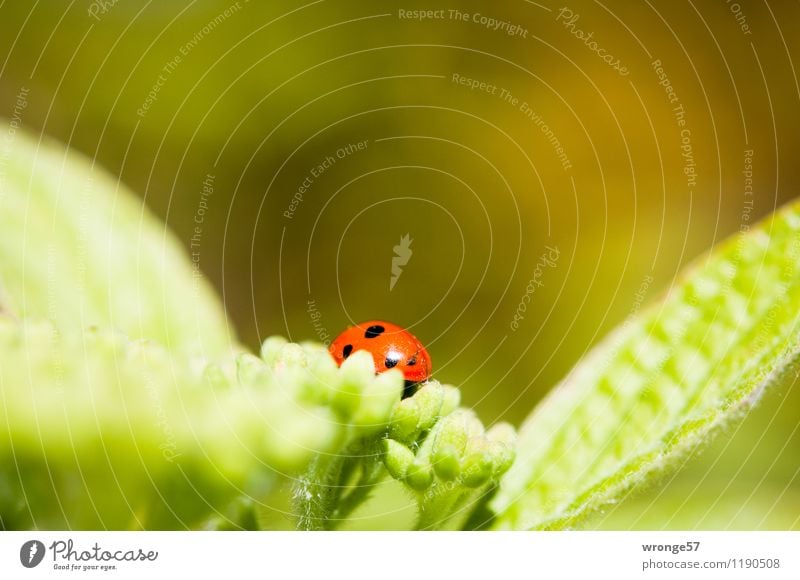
{"x":490,"y":143}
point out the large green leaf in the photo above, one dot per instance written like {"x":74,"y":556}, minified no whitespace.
{"x":654,"y":389}
{"x":77,"y":248}
{"x":102,"y":432}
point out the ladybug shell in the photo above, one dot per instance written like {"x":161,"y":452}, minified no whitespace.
{"x":391,"y":346}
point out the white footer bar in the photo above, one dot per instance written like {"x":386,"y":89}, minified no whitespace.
{"x":401,"y":555}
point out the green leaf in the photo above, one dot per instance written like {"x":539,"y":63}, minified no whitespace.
{"x":102,"y":432}
{"x":77,"y":248}
{"x":655,"y":389}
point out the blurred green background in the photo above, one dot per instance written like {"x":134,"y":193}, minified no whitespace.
{"x":254,"y":97}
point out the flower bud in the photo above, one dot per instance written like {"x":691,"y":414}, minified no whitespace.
{"x":271,"y":348}
{"x":320,"y":380}
{"x":353,"y":377}
{"x":419,"y":475}
{"x":478,"y":465}
{"x":291,"y":355}
{"x":502,"y":432}
{"x":451,"y":399}
{"x":450,"y":439}
{"x":447,"y":462}
{"x":397,"y":458}
{"x":405,"y":419}
{"x":378,"y":400}
{"x":503,"y":440}
{"x":251,"y":371}
{"x":429,"y":399}
{"x":504,"y":455}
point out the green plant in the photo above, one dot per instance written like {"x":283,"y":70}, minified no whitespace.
{"x":128,"y":403}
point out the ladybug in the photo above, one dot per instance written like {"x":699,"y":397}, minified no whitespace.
{"x":391,"y":346}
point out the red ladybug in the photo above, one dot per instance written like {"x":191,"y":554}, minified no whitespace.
{"x":391,"y":346}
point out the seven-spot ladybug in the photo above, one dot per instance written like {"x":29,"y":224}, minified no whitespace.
{"x":391,"y":346}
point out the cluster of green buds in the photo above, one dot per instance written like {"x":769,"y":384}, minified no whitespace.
{"x":438,"y":450}
{"x":443,"y":453}
{"x":293,"y":402}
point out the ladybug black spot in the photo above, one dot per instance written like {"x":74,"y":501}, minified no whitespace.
{"x":374,"y":331}
{"x":348,"y":348}
{"x":391,"y":362}
{"x":412,"y":361}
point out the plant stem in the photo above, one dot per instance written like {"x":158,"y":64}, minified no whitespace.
{"x":315,"y":492}
{"x":319,"y":499}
